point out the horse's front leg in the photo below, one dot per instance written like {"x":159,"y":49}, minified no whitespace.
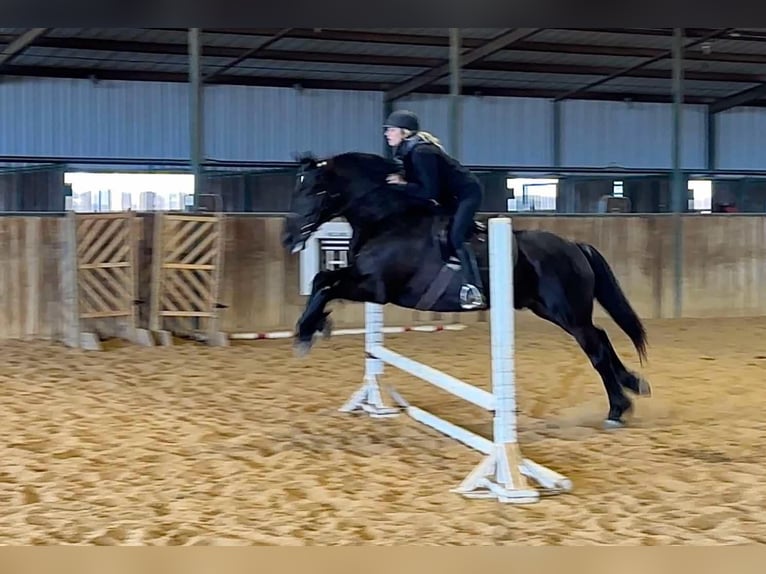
{"x":314,"y":317}
{"x":321,"y":282}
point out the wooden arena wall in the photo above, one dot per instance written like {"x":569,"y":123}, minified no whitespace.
{"x":724,"y":270}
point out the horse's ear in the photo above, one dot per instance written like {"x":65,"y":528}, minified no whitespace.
{"x":305,"y":158}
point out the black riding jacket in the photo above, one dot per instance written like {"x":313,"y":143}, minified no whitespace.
{"x":431,"y":174}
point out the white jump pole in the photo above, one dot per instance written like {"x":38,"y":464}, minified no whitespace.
{"x":503,"y":472}
{"x":263,"y":335}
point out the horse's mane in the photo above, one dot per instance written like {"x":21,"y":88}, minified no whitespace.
{"x":305,"y":157}
{"x":371,"y":165}
{"x":376,"y":200}
{"x":379,"y":200}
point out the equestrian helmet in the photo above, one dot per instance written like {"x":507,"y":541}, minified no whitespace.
{"x":403,"y":119}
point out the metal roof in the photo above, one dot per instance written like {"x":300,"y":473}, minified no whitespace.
{"x":548,"y":63}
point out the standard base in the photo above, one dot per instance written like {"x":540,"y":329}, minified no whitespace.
{"x":368,"y":399}
{"x":212,"y":339}
{"x":501,"y":475}
{"x":509,"y":485}
{"x":143,"y":337}
{"x":91,"y":341}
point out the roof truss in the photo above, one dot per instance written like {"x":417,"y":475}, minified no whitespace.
{"x":544,"y":62}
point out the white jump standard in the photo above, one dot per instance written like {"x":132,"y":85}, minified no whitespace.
{"x":503,"y":472}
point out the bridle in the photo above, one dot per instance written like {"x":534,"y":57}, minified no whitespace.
{"x":313,"y":224}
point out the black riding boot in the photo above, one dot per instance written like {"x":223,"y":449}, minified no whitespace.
{"x":471,"y":296}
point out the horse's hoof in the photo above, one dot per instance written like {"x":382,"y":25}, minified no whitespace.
{"x":327,"y":329}
{"x":616,"y":417}
{"x":644,"y":388}
{"x":301,"y":348}
{"x":610,"y":424}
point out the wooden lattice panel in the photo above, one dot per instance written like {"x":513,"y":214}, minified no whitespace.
{"x":187,"y":261}
{"x":106,"y":279}
{"x":99,"y":282}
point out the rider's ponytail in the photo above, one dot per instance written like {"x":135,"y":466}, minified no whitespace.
{"x":430,"y":138}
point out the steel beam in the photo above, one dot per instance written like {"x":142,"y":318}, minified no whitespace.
{"x":556,"y":134}
{"x":329,"y":84}
{"x":662,"y":56}
{"x":19,"y":44}
{"x":354,"y":35}
{"x":454,"y":84}
{"x":249,"y":54}
{"x":679,"y":193}
{"x":373,"y":60}
{"x":388,"y":108}
{"x":498,"y":43}
{"x":738,"y":99}
{"x":196,"y":115}
{"x":107,"y":45}
{"x":711,"y":142}
{"x":358,"y":35}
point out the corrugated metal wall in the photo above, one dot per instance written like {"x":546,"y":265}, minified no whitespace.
{"x":741,"y":139}
{"x":54,"y":117}
{"x":494,"y":131}
{"x":76,"y":118}
{"x":272,"y":124}
{"x":71,"y":118}
{"x":638,"y":135}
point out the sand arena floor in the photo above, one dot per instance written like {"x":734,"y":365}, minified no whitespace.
{"x":244,"y":445}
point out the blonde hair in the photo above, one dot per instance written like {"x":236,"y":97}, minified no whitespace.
{"x":430,"y":138}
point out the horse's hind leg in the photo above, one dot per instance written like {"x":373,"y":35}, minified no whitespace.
{"x":627,"y":378}
{"x":596,"y":345}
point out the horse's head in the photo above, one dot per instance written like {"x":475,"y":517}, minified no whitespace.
{"x":314,"y":201}
{"x":351,"y":185}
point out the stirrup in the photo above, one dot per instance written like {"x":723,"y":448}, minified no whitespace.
{"x":471,"y":297}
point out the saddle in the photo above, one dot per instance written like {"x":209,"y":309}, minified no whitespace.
{"x":436,"y":285}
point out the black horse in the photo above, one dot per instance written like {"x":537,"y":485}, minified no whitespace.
{"x":399,"y":255}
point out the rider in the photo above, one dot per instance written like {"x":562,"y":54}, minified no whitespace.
{"x":431,"y":174}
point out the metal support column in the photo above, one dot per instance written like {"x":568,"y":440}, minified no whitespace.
{"x":711,"y":140}
{"x":556,"y":133}
{"x":454,"y":91}
{"x":564,"y":191}
{"x":679,"y":194}
{"x":388,"y":108}
{"x":196,"y":115}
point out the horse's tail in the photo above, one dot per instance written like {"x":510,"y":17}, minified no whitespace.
{"x":612,"y":298}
